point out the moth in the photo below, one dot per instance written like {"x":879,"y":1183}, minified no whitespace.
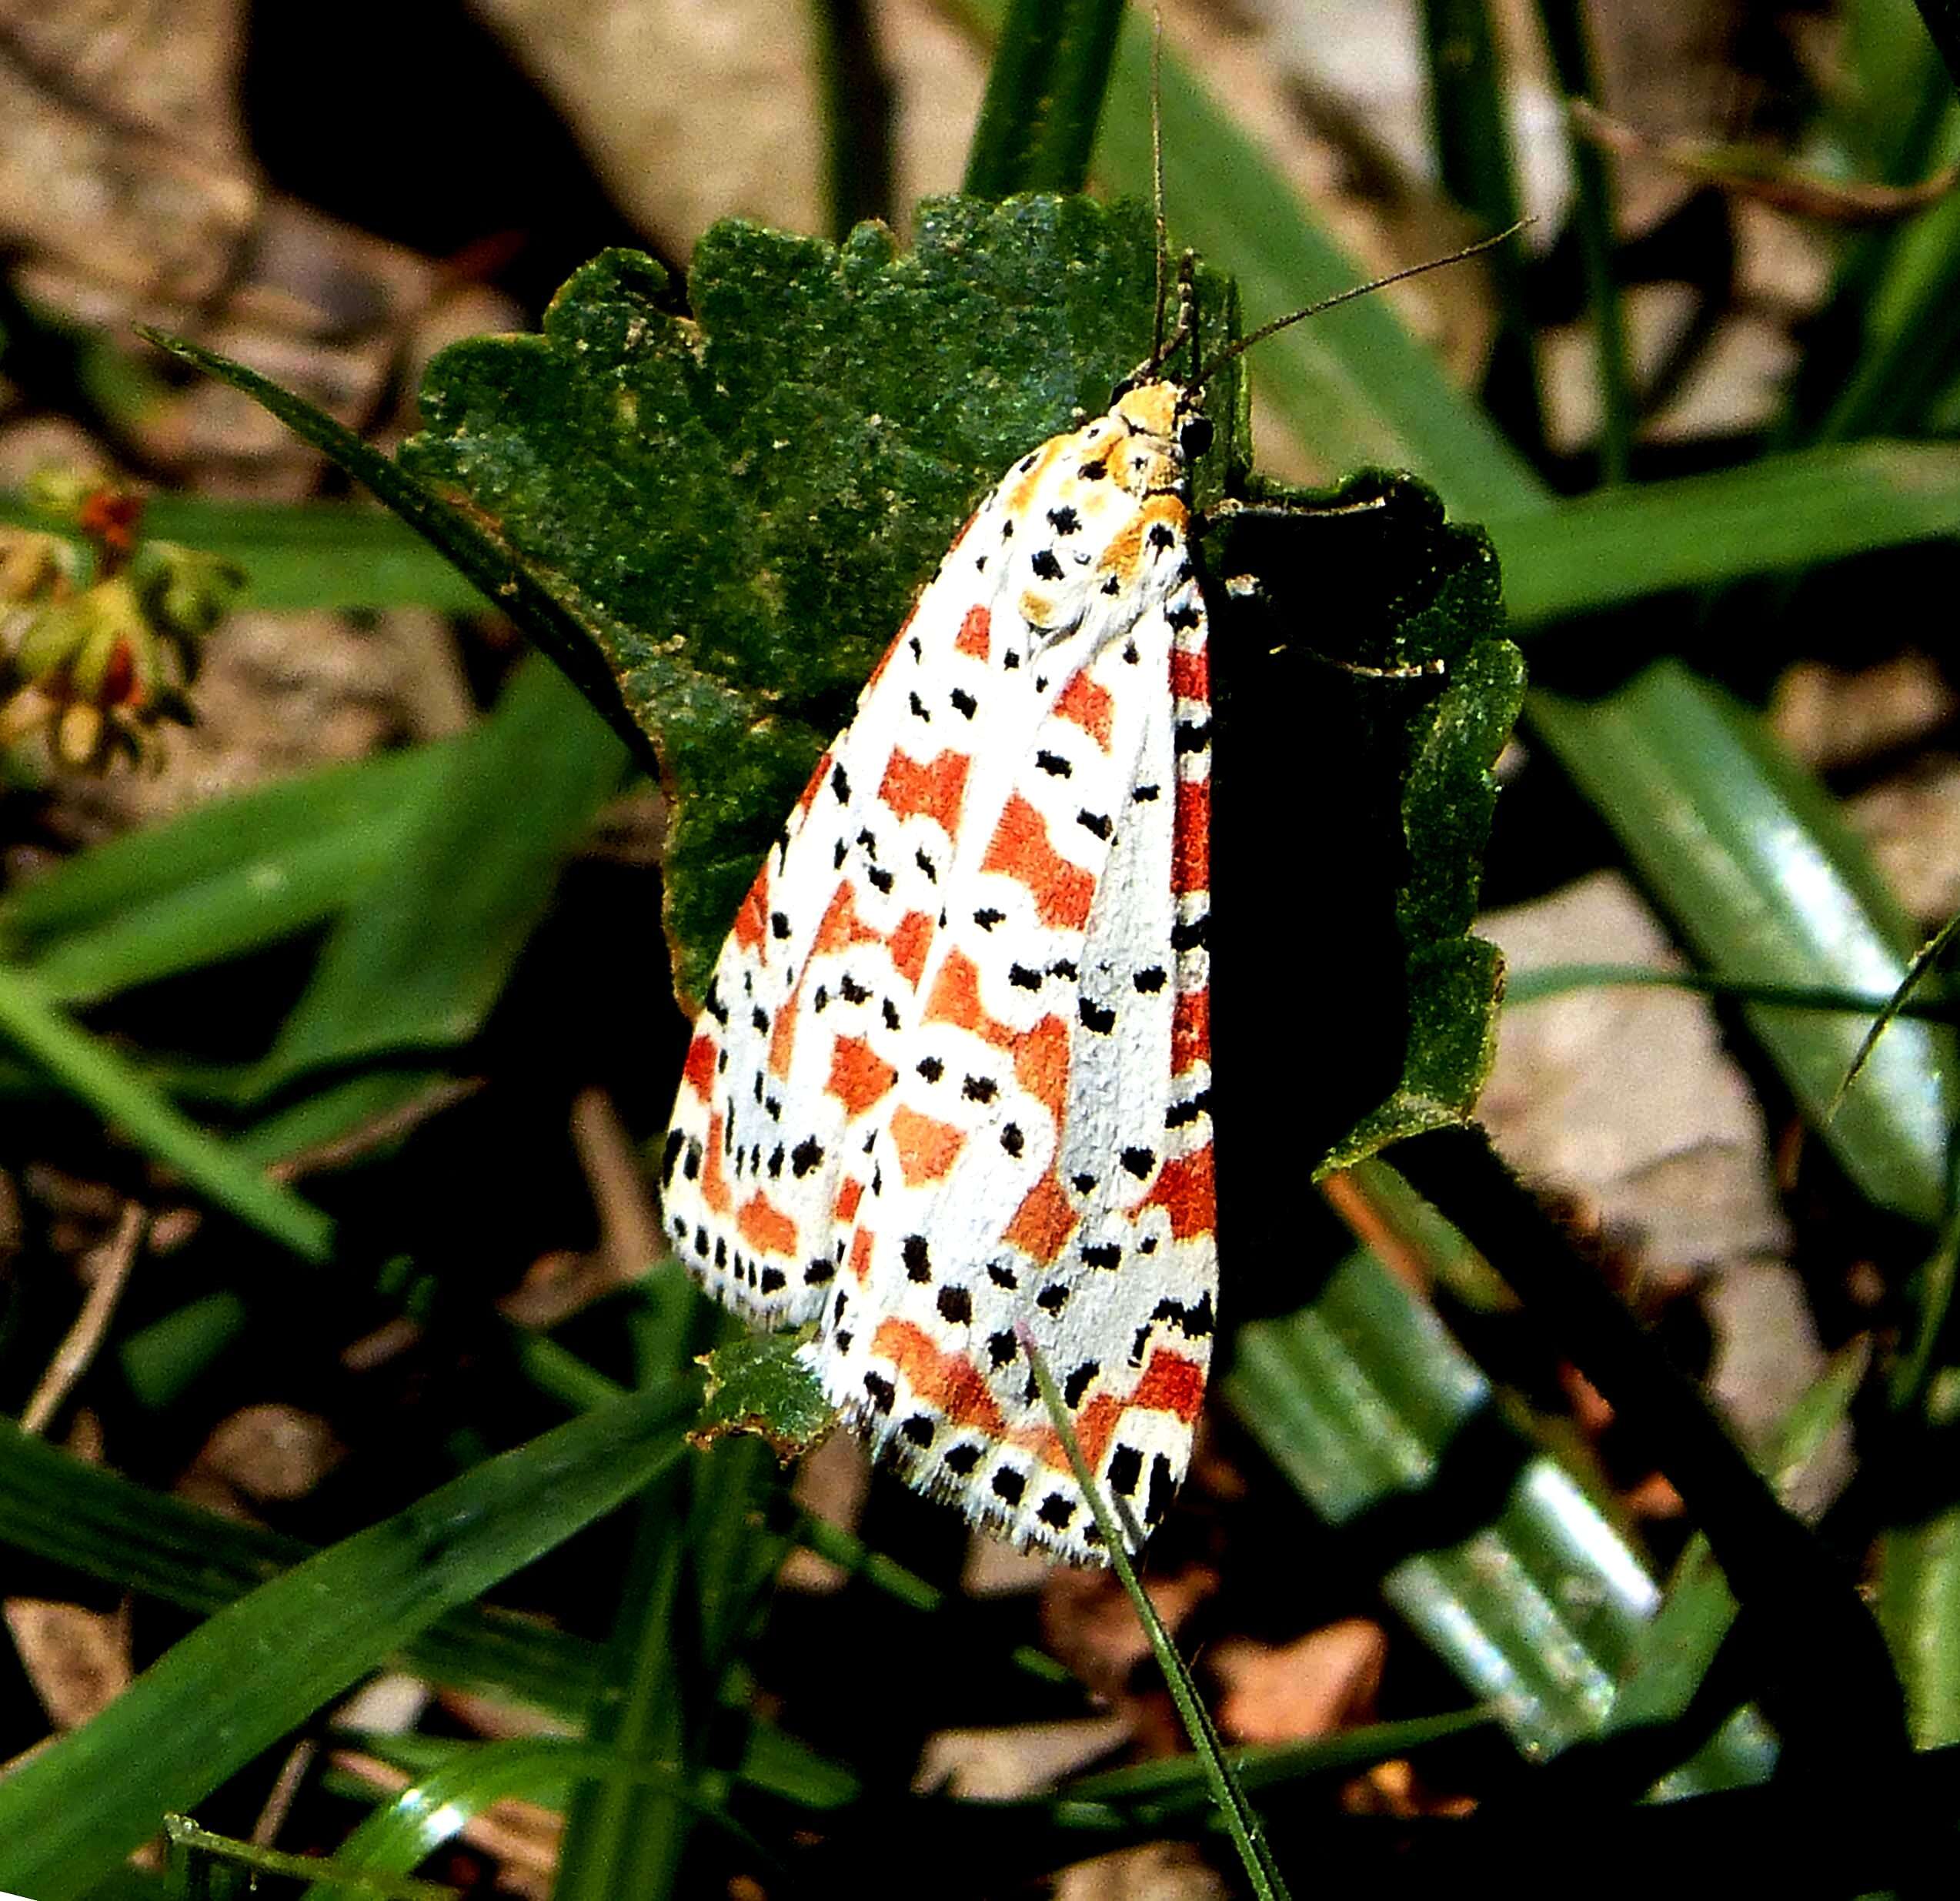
{"x":950,"y":1089}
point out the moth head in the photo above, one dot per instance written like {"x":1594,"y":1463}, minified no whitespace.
{"x":1167,"y":431}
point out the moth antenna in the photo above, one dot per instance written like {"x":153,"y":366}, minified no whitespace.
{"x":1183,"y":332}
{"x":1233,"y":351}
{"x":1156,"y":178}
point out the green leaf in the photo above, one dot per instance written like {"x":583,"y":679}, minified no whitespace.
{"x":1389,"y":778}
{"x":1755,"y":862}
{"x":224,"y":878}
{"x":1785,"y":513}
{"x":254,"y":1671}
{"x":1919,"y":1600}
{"x":740,"y":515}
{"x":757,"y":1384}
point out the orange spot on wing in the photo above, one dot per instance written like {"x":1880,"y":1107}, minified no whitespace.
{"x":1190,"y":675}
{"x":975,"y":634}
{"x":714,"y":1184}
{"x":1190,"y":1030}
{"x":765,"y":1227}
{"x":1190,"y":850}
{"x":1041,"y":1063}
{"x":783,"y":1035}
{"x":849,"y":1195}
{"x":948,"y":1381}
{"x":936,"y":789}
{"x":859,"y":1075}
{"x":1040,"y":1053}
{"x":860,"y":1254}
{"x":1171,"y":1384}
{"x":1185,"y":1189}
{"x":698,"y":1072}
{"x":909,"y":943}
{"x":1021,"y":850}
{"x":956,"y":999}
{"x":1044,"y":1220}
{"x":751,"y":923}
{"x":927,"y":1148}
{"x":841,"y":927}
{"x":1088,"y":706}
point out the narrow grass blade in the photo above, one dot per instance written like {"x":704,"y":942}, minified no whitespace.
{"x":189,"y":1843}
{"x":254,"y":1671}
{"x":1923,"y":962}
{"x":1471,"y":131}
{"x":1235,"y":1810}
{"x":447,"y":528}
{"x":1560,"y":980}
{"x":1044,"y":95}
{"x":1565,"y":31}
{"x":89,"y":1069}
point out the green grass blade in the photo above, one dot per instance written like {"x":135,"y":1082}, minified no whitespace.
{"x":248,"y":1674}
{"x":1470,"y":125}
{"x":189,"y":1843}
{"x":434,"y":1809}
{"x":227,"y":878}
{"x":1233,"y":1807}
{"x":621,"y":1835}
{"x":1919,"y":1602}
{"x":418,"y":961}
{"x":1565,"y":31}
{"x":1933,"y":1291}
{"x":1044,"y":94}
{"x":1560,"y":980}
{"x":1924,"y":961}
{"x":89,"y":1069}
{"x":1780,"y":515}
{"x":61,"y":1510}
{"x":857,"y":115}
{"x":1753,"y":861}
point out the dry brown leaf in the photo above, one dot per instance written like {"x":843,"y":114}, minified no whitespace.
{"x":1325,"y":1681}
{"x":272,"y":1451}
{"x":77,"y":1660}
